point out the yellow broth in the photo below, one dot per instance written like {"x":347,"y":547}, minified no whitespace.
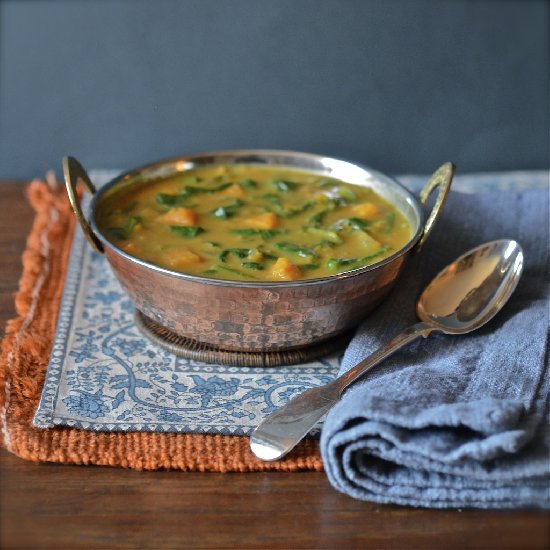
{"x":253,"y":223}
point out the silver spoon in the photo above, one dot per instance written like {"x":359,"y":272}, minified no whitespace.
{"x":461,"y":298}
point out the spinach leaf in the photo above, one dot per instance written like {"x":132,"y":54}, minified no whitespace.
{"x":265,"y":234}
{"x":187,"y":231}
{"x":249,"y":184}
{"x":324,"y":244}
{"x":252,"y":265}
{"x":224,"y":212}
{"x":337,"y":263}
{"x":340,"y":194}
{"x":236,"y":272}
{"x":123,"y":233}
{"x":166,"y":199}
{"x":278,"y":208}
{"x":317,"y":219}
{"x":267,"y":255}
{"x":272,"y":198}
{"x":284,"y":185}
{"x":190,"y":190}
{"x":291,"y":212}
{"x":178,"y":199}
{"x":240,"y":253}
{"x":346,"y":193}
{"x":293,"y":248}
{"x":355,"y":224}
{"x":389,"y":222}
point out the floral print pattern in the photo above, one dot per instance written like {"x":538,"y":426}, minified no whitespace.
{"x":104,"y":375}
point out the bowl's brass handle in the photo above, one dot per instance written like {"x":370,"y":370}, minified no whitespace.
{"x":441,"y":178}
{"x":74,"y":173}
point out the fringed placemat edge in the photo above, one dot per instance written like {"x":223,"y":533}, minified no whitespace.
{"x":25,"y":351}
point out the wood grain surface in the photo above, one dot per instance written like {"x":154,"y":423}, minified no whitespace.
{"x":46,"y":506}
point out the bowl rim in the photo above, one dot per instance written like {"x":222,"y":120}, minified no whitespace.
{"x":374,"y":174}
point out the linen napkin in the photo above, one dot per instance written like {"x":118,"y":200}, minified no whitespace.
{"x":454,"y":421}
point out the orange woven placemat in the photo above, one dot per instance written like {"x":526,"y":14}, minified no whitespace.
{"x":23,"y":363}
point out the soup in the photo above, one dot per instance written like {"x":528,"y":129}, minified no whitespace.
{"x":253,"y":223}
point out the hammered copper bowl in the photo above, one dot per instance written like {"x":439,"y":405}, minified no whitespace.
{"x":259,"y":316}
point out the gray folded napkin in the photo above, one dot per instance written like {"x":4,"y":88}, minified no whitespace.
{"x":454,"y":421}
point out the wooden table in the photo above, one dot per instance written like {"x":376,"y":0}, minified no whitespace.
{"x":57,"y":506}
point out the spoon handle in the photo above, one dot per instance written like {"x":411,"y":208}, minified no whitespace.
{"x":402,"y":339}
{"x":282,"y":430}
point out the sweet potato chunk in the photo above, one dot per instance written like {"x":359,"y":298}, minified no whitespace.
{"x":365,"y":210}
{"x":262,"y":221}
{"x":131,"y":247}
{"x":182,"y":258}
{"x":284,"y":269}
{"x":234,"y":190}
{"x":179,"y":216}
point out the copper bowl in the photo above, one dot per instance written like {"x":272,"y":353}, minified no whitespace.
{"x":259,"y":316}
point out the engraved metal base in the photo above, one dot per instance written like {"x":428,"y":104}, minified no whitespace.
{"x":198,"y":351}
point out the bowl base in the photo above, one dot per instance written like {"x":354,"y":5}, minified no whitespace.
{"x":207,"y":353}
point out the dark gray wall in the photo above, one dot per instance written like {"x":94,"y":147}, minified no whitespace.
{"x":398,"y":84}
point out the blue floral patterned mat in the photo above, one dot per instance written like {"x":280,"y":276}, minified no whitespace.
{"x":104,"y":375}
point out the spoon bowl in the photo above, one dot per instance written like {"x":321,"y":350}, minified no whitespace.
{"x":464,"y":296}
{"x":470,"y":291}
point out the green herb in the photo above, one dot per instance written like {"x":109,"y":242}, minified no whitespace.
{"x":284,"y":186}
{"x":337,"y":263}
{"x":293,"y":248}
{"x":123,"y":233}
{"x":389,"y":222}
{"x":295,"y":211}
{"x":317,"y":219}
{"x":249,"y":184}
{"x":131,"y":223}
{"x":273,"y":198}
{"x":224,"y":212}
{"x":266,"y":255}
{"x":265,"y":234}
{"x":324,"y":244}
{"x":355,"y":224}
{"x":346,"y":193}
{"x":213,"y":244}
{"x":180,"y":198}
{"x":236,"y":271}
{"x":340,"y":194}
{"x":166,"y":199}
{"x":278,"y":208}
{"x":190,"y":190}
{"x":187,"y":231}
{"x":358,"y":224}
{"x":240,"y":253}
{"x":290,"y":213}
{"x":252,"y":265}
